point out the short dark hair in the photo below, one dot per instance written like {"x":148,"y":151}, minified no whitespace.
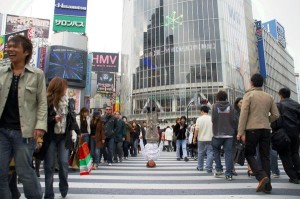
{"x":285,"y":92}
{"x":221,"y":96}
{"x":205,"y":109}
{"x":26,"y":44}
{"x":183,"y":117}
{"x":257,"y":80}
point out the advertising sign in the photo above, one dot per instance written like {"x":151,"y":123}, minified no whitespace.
{"x":70,"y":7}
{"x":38,"y":27}
{"x":276,"y":30}
{"x":42,"y":58}
{"x":261,"y":51}
{"x":280,"y":35}
{"x":105,"y":82}
{"x":69,"y":23}
{"x":76,"y":95}
{"x":105,"y":62}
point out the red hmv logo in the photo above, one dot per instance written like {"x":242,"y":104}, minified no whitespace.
{"x":107,"y":62}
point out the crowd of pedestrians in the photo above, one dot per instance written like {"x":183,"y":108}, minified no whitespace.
{"x":28,"y":110}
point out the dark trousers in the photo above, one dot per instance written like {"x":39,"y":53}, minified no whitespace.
{"x":125,"y":148}
{"x":290,"y":158}
{"x":259,"y":137}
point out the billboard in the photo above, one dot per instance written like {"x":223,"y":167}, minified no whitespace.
{"x":69,"y":23}
{"x":261,"y":51}
{"x":105,"y":62}
{"x":70,"y":7}
{"x":105,"y":82}
{"x":276,"y":30}
{"x":68,"y":63}
{"x":38,"y":27}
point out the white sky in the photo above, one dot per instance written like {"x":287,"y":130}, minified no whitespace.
{"x":104,"y":20}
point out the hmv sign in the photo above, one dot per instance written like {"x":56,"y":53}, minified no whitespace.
{"x":105,"y":62}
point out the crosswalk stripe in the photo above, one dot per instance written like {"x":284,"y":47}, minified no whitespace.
{"x":171,"y":179}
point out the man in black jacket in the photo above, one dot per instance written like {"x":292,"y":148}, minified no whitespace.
{"x":110,"y":132}
{"x":180,"y":133}
{"x":290,"y":121}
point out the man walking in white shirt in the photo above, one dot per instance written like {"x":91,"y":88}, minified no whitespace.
{"x":203,"y":131}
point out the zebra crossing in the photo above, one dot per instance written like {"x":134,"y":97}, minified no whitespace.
{"x":170,"y":179}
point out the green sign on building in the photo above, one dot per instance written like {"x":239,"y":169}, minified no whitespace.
{"x":69,"y":23}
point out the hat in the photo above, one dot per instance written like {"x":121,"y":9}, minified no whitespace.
{"x":96,"y":114}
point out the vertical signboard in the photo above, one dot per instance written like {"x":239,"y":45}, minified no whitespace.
{"x":260,"y":47}
{"x":280,"y":34}
{"x":88,"y":75}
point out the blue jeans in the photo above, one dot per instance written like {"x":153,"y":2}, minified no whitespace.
{"x":49,"y":165}
{"x":134,"y":147}
{"x":205,"y":148}
{"x":93,"y":149}
{"x":181,"y":143}
{"x":227,"y":146}
{"x":98,"y":154}
{"x":13,"y":145}
{"x":109,"y":143}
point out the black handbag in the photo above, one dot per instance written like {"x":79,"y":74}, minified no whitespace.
{"x":280,"y":140}
{"x":239,"y":156}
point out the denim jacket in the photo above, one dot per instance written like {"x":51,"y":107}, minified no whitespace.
{"x":32,"y":100}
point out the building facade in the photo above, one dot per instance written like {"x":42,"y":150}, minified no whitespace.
{"x":279,"y":67}
{"x":177,"y":53}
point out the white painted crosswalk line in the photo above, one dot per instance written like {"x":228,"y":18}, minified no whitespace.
{"x":170,"y":179}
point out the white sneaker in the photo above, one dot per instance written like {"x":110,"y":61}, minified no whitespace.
{"x":109,"y":164}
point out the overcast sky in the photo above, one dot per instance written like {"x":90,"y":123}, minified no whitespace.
{"x":104,"y":20}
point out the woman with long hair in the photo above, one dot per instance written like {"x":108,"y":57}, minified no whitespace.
{"x":61,"y":122}
{"x":83,"y":121}
{"x":97,"y":138}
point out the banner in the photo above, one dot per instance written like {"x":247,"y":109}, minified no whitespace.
{"x":105,"y":82}
{"x":105,"y":62}
{"x":39,"y":28}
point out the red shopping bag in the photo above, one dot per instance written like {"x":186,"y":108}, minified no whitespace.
{"x":85,"y":160}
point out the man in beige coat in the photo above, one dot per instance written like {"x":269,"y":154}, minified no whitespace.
{"x":258,"y":110}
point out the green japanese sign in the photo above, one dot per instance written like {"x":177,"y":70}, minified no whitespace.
{"x":69,"y":23}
